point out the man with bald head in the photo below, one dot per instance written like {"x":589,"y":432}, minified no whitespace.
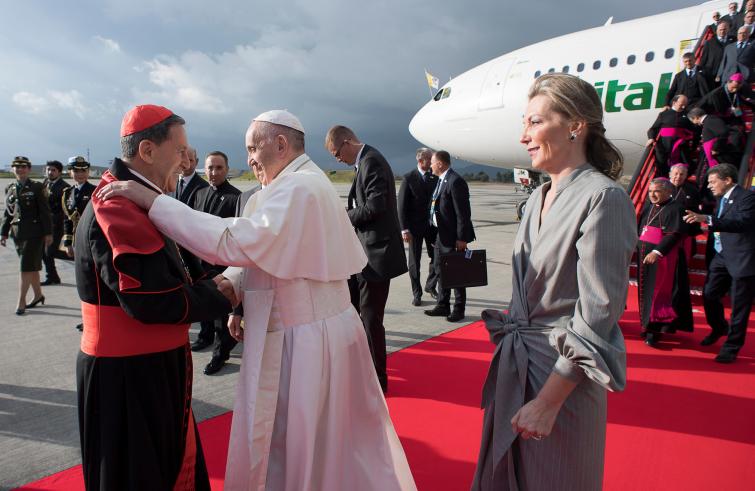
{"x":309,"y":412}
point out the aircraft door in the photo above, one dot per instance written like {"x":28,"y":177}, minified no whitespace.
{"x":491,"y":95}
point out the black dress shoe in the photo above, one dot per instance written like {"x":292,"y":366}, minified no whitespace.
{"x":652,"y":338}
{"x":20,"y":311}
{"x":438,"y":311}
{"x":36,"y":302}
{"x":214,"y":366}
{"x":455,"y":316}
{"x":710,"y":339}
{"x":417,"y":301}
{"x":51,"y":281}
{"x":433,"y":292}
{"x":200,"y":344}
{"x":726,"y":357}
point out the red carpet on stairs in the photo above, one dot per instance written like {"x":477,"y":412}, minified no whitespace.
{"x":683,"y":422}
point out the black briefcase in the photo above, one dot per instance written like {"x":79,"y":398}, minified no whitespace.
{"x":463,"y":269}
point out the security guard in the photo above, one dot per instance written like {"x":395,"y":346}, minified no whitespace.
{"x":28,"y":220}
{"x":55,"y":186}
{"x":75,"y":199}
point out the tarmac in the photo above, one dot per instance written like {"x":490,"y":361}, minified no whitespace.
{"x":38,"y":416}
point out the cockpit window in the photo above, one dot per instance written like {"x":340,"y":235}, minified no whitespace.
{"x":443,"y":93}
{"x":537,"y":73}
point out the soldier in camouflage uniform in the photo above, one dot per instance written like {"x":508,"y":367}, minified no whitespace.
{"x":28,"y":221}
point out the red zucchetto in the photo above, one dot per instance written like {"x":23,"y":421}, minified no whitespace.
{"x":142,"y":117}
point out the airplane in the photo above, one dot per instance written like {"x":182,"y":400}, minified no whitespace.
{"x":477,"y":116}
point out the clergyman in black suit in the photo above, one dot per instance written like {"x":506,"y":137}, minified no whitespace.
{"x":451,"y":213}
{"x":413,"y":209}
{"x":731,"y":235}
{"x":690,"y":81}
{"x":219,"y":199}
{"x":55,"y":186}
{"x":373,"y":213}
{"x":189,"y":182}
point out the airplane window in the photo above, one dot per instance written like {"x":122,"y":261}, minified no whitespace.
{"x":551,"y":70}
{"x":565,"y":69}
{"x":580,"y":67}
{"x":537,"y":73}
{"x":613,"y":62}
{"x":438,"y":95}
{"x":669,"y":53}
{"x":631,"y":59}
{"x":596,"y":65}
{"x":649,"y":56}
{"x":446,"y":93}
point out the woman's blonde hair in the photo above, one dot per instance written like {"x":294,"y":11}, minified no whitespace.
{"x":577,"y":100}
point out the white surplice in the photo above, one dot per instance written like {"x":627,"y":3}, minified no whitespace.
{"x":309,"y":413}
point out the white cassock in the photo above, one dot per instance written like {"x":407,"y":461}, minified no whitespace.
{"x":309,"y":413}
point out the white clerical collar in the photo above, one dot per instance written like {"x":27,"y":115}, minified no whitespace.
{"x":147,"y":181}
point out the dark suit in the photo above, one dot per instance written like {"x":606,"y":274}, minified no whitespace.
{"x":55,"y":195}
{"x":735,"y":21}
{"x":188,"y":191}
{"x":74,"y":202}
{"x":713,"y":53}
{"x":715,"y":128}
{"x":694,"y":86}
{"x":737,"y":61}
{"x":413,"y":208}
{"x":453,"y":216}
{"x":374,"y":215}
{"x":221,"y":202}
{"x":733,"y":269}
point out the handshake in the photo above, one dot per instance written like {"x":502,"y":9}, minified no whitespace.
{"x":226,"y":288}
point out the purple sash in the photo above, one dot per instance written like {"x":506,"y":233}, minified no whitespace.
{"x":682,"y":135}
{"x":708,"y":147}
{"x":651,"y":235}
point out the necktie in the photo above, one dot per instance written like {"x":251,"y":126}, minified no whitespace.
{"x":436,"y":193}
{"x":717,"y":235}
{"x":75,"y":193}
{"x":689,"y":73}
{"x":739,"y":47}
{"x":426,"y":176}
{"x":180,"y":187}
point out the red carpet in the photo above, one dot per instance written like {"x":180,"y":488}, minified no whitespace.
{"x":683,"y":423}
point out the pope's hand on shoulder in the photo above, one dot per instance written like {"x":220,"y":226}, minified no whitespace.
{"x":234,"y":327}
{"x":141,"y":195}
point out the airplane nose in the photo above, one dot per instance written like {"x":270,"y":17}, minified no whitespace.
{"x":420,"y":126}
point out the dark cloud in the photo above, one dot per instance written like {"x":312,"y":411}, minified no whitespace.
{"x":331,"y":61}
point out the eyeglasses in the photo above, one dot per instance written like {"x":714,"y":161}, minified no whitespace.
{"x":337,"y":155}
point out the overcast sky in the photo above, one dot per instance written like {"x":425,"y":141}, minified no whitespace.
{"x":71,"y":69}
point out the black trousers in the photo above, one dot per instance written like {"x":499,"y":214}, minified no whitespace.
{"x":718,"y":282}
{"x":415,"y":258}
{"x":53,"y":252}
{"x":217,"y":331}
{"x":369,"y":298}
{"x":444,"y":294}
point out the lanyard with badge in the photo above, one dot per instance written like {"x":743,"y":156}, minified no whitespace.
{"x":734,"y":101}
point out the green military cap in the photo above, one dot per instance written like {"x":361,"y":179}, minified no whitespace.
{"x":78,"y":162}
{"x":20,"y":161}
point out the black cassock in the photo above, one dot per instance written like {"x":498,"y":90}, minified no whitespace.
{"x":675,"y":133}
{"x":664,"y":299}
{"x":134,"y":370}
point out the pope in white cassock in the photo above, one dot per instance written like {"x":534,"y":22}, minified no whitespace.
{"x":309,"y":413}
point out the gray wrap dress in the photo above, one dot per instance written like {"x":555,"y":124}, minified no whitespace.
{"x":570,"y":280}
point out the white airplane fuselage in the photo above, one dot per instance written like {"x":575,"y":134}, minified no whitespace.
{"x":477,"y":116}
